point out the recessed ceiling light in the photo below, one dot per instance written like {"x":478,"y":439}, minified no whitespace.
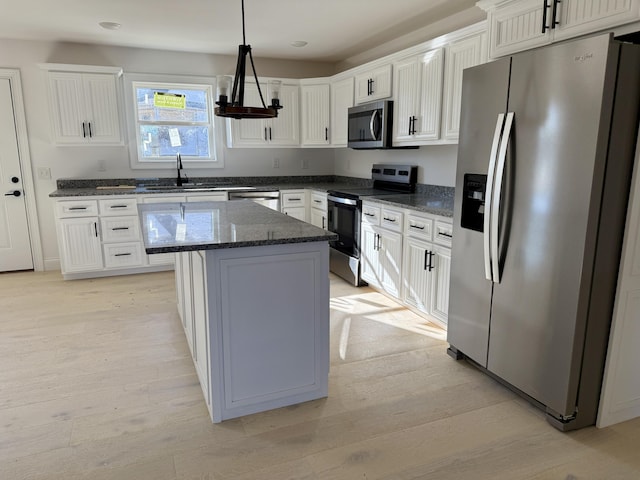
{"x":299,"y":43}
{"x":110,"y":25}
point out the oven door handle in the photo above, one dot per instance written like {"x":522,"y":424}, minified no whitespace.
{"x":342,"y":201}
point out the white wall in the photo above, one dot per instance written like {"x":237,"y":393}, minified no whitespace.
{"x":437,"y":162}
{"x":84,"y":161}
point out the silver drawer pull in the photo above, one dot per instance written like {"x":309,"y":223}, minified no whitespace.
{"x":122,"y":254}
{"x":416,"y":226}
{"x":120,"y":228}
{"x":389,"y":219}
{"x":78,"y":208}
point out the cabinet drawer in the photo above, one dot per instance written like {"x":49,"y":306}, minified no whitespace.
{"x":77,"y":208}
{"x":120,"y":229}
{"x":119,"y":255}
{"x":391,"y":219}
{"x":319,"y":201}
{"x":418,"y":227}
{"x":293,"y":199}
{"x":371,"y":214}
{"x":118,"y":206}
{"x":442,"y":233}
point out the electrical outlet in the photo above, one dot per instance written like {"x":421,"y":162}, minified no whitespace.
{"x":305,"y":163}
{"x":276,"y":163}
{"x":44,"y":173}
{"x":102,"y":165}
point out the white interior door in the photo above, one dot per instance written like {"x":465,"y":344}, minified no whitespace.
{"x":15,"y":247}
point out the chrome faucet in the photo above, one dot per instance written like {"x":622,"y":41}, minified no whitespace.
{"x":179,"y":167}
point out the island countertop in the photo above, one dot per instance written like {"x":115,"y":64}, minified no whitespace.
{"x":190,"y":226}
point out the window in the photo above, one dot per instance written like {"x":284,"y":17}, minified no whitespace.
{"x":168,"y":116}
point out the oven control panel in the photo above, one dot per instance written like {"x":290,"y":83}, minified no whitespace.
{"x":405,"y":174}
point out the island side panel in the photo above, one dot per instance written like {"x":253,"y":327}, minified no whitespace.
{"x":269,"y":326}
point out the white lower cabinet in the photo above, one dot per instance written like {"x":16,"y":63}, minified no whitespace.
{"x":294,"y":203}
{"x":427,"y":264}
{"x":382,"y":248}
{"x":80,"y":245}
{"x":407,"y":255}
{"x":100,"y":236}
{"x":318,"y":210}
{"x":256,"y":344}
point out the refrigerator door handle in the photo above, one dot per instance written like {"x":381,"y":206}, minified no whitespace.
{"x":495,"y":213}
{"x":489,"y":196}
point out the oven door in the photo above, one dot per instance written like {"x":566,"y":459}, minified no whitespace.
{"x":343,"y":217}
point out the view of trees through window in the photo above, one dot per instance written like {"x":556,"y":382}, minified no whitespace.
{"x":165,"y":131}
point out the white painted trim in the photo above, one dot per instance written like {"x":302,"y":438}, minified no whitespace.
{"x":13,"y":75}
{"x":614,"y":408}
{"x":63,"y":67}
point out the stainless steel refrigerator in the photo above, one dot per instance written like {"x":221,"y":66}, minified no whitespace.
{"x":546,"y":148}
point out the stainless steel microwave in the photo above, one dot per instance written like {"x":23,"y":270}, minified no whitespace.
{"x":370,"y":125}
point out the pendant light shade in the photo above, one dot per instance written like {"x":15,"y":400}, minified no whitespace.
{"x":234,"y":107}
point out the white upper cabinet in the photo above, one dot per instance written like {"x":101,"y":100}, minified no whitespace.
{"x":461,"y":54}
{"x":417,"y":88}
{"x":517,"y":25}
{"x":282,"y":131}
{"x":341,"y":101}
{"x":373,"y":84}
{"x":85,"y":106}
{"x":316,"y":130}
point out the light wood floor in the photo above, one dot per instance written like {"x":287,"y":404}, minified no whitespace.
{"x":96,"y":383}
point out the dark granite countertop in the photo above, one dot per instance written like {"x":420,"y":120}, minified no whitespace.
{"x":433,"y":199}
{"x":423,"y":202}
{"x":189,"y":226}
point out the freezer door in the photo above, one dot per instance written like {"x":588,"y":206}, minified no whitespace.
{"x":484,"y":100}
{"x":548,"y":218}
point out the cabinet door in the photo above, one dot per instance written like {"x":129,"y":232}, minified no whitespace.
{"x":296,"y":212}
{"x":417,"y":278}
{"x":341,"y":101}
{"x":577,"y":17}
{"x":427,"y":125}
{"x":81,"y":249}
{"x":315,"y":115}
{"x":517,"y":26}
{"x":84,"y":108}
{"x":440,"y":285}
{"x":250,"y":132}
{"x":374,"y":84}
{"x":390,"y":254}
{"x":370,"y":264}
{"x":284,"y":130}
{"x":406,"y":78}
{"x":200,"y":321}
{"x":459,"y":55}
{"x":101,"y":101}
{"x":318,"y":218}
{"x":67,"y":107}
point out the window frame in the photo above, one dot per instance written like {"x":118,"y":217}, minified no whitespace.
{"x":136,"y":160}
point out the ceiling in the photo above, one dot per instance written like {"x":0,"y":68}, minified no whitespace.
{"x":334,"y":29}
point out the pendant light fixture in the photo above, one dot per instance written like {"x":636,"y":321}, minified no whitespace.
{"x":235,"y":108}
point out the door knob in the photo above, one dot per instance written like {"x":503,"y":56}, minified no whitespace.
{"x":15,"y":193}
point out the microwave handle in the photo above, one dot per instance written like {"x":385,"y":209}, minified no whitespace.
{"x":372,"y":125}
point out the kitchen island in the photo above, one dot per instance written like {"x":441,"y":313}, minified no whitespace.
{"x":253,"y":295}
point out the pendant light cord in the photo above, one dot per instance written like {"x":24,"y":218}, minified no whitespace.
{"x":244,"y":40}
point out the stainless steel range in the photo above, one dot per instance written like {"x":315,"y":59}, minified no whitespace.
{"x":345,"y":211}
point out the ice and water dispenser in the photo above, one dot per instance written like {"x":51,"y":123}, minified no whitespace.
{"x":473,"y":202}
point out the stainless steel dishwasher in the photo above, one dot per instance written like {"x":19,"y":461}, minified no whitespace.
{"x":269,"y":199}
